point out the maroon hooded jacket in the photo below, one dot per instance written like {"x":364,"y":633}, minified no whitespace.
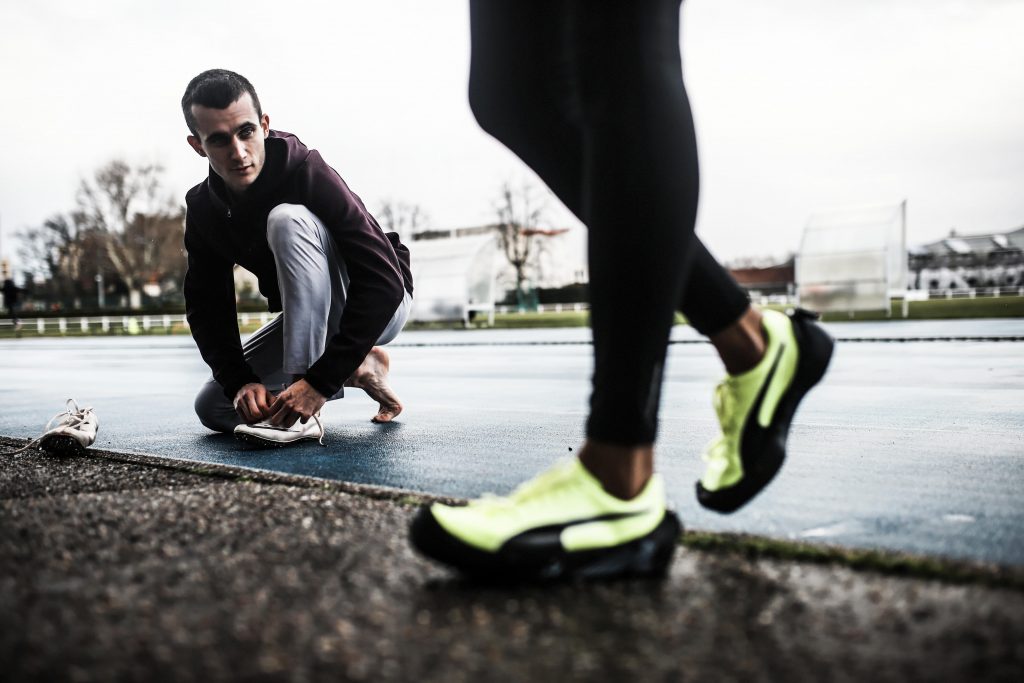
{"x":220,"y":232}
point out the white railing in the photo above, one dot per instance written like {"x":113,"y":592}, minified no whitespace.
{"x":544,"y":308}
{"x":139,"y":324}
{"x":975,"y":292}
{"x":121,"y":324}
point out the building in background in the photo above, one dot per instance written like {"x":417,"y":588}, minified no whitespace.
{"x":460,"y":272}
{"x":768,"y":281}
{"x":990,"y":260}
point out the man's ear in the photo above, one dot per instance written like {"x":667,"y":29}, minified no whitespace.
{"x":193,"y":141}
{"x":265,"y":125}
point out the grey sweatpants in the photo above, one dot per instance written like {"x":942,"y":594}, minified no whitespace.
{"x":314,"y":281}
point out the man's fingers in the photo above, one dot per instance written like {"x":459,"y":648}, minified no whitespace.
{"x":282,"y":414}
{"x":260,"y":404}
{"x":286,"y":417}
{"x":251,"y":402}
{"x":243,"y":407}
{"x":278,"y":410}
{"x":291,"y":406}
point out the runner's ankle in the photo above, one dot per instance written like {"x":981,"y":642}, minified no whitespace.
{"x":623,"y":471}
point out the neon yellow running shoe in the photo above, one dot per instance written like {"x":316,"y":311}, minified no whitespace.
{"x":756,"y":409}
{"x":560,"y":524}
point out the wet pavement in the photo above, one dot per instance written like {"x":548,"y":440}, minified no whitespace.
{"x":112,"y":569}
{"x":916,"y":445}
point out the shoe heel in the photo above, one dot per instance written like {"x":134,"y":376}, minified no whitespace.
{"x":647,"y":557}
{"x":816,"y":347}
{"x":668,"y":533}
{"x":62,"y":446}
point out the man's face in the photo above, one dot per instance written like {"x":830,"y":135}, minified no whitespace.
{"x":233,"y":140}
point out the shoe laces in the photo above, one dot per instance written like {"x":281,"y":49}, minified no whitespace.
{"x":543,"y":485}
{"x":316,"y":418}
{"x":72,"y":416}
{"x":75,"y":416}
{"x":725,"y":401}
{"x":320,"y":425}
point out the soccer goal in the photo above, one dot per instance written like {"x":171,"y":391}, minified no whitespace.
{"x":853,"y":259}
{"x":454,"y":278}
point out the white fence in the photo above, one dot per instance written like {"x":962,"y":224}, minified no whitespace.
{"x":123,"y":324}
{"x":142,"y":324}
{"x":969,"y":293}
{"x":546,"y":308}
{"x":139,"y":324}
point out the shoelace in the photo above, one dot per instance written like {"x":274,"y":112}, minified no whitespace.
{"x":544,"y":483}
{"x":725,"y":408}
{"x":321,"y":426}
{"x":75,"y":416}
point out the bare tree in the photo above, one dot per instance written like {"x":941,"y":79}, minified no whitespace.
{"x":140,"y":224}
{"x":405,"y":219}
{"x":42,"y":246}
{"x":65,"y":254}
{"x":519,"y":217}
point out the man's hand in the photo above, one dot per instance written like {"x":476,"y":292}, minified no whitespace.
{"x":300,"y":401}
{"x":252,"y":402}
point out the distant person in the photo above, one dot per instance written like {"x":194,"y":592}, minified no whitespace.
{"x":12,"y":294}
{"x":590,"y":95}
{"x":274,"y":206}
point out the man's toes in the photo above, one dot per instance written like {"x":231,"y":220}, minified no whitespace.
{"x":387,"y":414}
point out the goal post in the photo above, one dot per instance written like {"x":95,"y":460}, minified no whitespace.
{"x":454,"y":278}
{"x":853,"y":259}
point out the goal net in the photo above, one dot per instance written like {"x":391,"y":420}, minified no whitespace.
{"x":853,"y":259}
{"x":454,"y":277}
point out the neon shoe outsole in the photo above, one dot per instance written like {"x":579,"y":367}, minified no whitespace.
{"x":761,"y":443}
{"x":552,"y":532}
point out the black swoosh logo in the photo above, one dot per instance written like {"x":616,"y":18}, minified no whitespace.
{"x":751,"y":428}
{"x":549,"y":537}
{"x":756,"y":408}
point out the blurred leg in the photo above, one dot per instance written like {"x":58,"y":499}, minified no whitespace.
{"x":537,"y":66}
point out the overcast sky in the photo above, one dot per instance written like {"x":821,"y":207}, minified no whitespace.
{"x":801,"y":105}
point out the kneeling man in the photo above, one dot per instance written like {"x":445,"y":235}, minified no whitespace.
{"x":274,"y":206}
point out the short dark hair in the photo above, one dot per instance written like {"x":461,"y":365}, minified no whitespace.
{"x":217,"y":89}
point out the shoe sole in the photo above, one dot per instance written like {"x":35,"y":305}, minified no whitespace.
{"x":646,"y":557}
{"x":61,"y":445}
{"x":253,"y":440}
{"x":815,"y":348}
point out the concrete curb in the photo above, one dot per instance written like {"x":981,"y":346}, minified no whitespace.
{"x":125,"y":566}
{"x":746,"y":545}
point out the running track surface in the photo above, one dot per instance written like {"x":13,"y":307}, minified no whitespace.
{"x":908,"y":445}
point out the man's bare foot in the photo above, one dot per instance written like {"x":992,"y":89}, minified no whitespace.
{"x":372,"y":377}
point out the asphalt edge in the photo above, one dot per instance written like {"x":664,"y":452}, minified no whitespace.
{"x":403,"y":497}
{"x":887,"y":562}
{"x":746,"y":546}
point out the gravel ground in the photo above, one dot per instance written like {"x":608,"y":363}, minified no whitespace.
{"x":115,"y":570}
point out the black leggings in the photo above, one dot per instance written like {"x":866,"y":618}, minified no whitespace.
{"x":590,"y":95}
